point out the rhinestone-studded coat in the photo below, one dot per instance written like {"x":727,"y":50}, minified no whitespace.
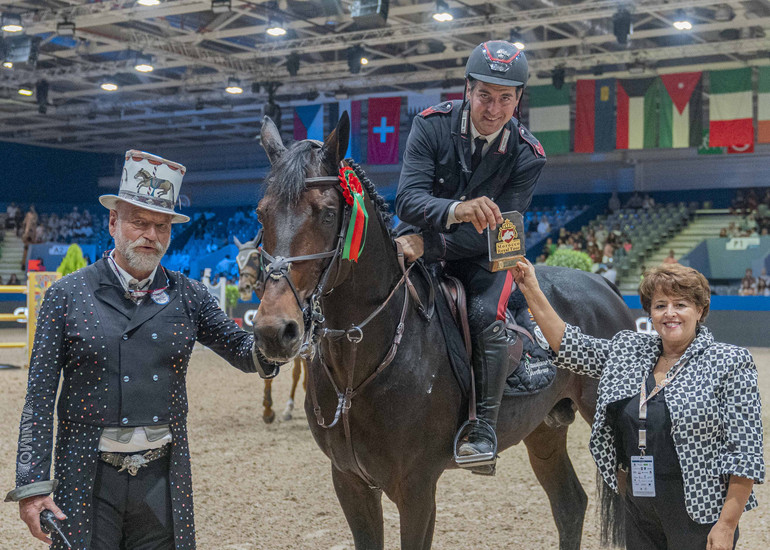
{"x":716,"y":416}
{"x":121,"y":365}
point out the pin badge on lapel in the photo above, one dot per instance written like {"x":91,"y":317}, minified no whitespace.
{"x":159,"y":297}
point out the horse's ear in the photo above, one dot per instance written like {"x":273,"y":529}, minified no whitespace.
{"x":336,"y":143}
{"x":271,"y":140}
{"x":237,"y":242}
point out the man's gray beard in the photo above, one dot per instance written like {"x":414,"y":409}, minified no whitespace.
{"x":136,"y":260}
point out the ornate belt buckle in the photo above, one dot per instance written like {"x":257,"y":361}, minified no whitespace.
{"x":133,"y":463}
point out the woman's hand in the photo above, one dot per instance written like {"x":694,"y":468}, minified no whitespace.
{"x":721,"y":537}
{"x":524,"y":275}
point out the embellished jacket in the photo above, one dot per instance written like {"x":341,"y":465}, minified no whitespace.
{"x":436,"y":173}
{"x":120,"y":365}
{"x":716,"y":414}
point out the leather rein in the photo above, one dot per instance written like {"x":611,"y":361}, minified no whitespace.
{"x":278,"y":268}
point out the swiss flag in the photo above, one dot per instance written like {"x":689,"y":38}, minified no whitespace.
{"x":384,"y":118}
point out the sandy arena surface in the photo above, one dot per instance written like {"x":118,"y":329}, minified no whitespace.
{"x":261,"y":486}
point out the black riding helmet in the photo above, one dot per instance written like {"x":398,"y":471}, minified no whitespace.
{"x":498,"y":62}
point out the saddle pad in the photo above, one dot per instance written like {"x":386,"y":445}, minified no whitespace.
{"x":535,"y":372}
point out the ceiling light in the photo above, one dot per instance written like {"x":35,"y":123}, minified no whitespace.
{"x":622,"y":25}
{"x":25,"y":91}
{"x":65,"y":28}
{"x":148,"y":2}
{"x":442,"y":14}
{"x":7,"y":64}
{"x":275,"y":27}
{"x":355,"y":56}
{"x":682,"y":22}
{"x":109,"y":87}
{"x":233,"y":86}
{"x":144,"y":64}
{"x":364,"y":61}
{"x":220,"y":6}
{"x":292,"y":64}
{"x":557,"y":77}
{"x":517,"y":40}
{"x":11,"y":22}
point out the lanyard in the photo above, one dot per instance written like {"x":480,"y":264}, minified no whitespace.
{"x":644,"y":398}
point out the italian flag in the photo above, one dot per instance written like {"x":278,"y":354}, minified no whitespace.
{"x":637,"y":123}
{"x":730,"y":109}
{"x":681,"y":110}
{"x":549,"y":117}
{"x":763,"y":100}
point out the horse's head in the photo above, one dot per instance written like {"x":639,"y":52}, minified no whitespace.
{"x":248,"y":268}
{"x":301,"y":215}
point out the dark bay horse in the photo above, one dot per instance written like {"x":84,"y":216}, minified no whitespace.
{"x":382,"y":402}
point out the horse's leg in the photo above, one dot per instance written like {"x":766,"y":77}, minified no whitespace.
{"x":304,"y":378}
{"x":296,"y":371}
{"x":268,"y":415}
{"x":416,"y":501}
{"x":363,"y":509}
{"x":547,"y":448}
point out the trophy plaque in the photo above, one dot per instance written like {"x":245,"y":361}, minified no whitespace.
{"x":506,"y":242}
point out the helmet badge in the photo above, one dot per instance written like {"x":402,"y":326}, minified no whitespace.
{"x":501,"y":60}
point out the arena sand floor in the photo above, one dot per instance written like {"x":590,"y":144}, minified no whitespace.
{"x":269,"y":487}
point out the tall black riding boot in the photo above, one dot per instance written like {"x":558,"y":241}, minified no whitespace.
{"x":491,"y":366}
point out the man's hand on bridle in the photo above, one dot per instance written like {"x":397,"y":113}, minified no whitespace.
{"x":481,"y":212}
{"x":412,"y":245}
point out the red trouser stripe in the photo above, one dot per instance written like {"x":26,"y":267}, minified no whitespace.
{"x":502,"y":304}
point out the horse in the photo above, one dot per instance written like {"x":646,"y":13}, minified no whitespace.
{"x":391,"y":429}
{"x":248,"y":271}
{"x":152,"y":183}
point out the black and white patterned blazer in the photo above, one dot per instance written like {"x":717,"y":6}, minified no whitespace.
{"x":716,"y":416}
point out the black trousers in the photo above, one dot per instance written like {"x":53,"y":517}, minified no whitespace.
{"x":487,"y":293}
{"x":661,"y":522}
{"x":133,"y":512}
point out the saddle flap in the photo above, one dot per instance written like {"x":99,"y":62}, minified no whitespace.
{"x":454,"y":291}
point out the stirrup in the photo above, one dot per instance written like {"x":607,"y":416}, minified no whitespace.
{"x":480,"y":459}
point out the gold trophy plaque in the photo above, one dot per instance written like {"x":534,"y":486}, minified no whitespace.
{"x":506,"y":242}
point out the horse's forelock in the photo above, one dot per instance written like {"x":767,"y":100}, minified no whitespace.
{"x":286,"y":180}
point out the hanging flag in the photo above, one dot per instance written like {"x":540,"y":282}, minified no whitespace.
{"x":637,"y":120}
{"x":353,"y":109}
{"x":681,"y":110}
{"x":730,"y":108}
{"x":595,"y":116}
{"x":704,"y":148}
{"x":384,"y":118}
{"x":549,"y":117}
{"x":738,"y":149}
{"x":308,"y":122}
{"x":451,"y":96}
{"x":763,"y":105}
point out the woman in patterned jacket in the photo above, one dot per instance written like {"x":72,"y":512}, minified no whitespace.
{"x":677,"y":410}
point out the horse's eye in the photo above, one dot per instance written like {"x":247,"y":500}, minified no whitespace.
{"x":328,"y":216}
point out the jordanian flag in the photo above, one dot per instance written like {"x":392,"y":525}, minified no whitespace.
{"x":763,"y":107}
{"x":730,"y":108}
{"x":549,"y":117}
{"x":637,"y":121}
{"x":681,"y":110}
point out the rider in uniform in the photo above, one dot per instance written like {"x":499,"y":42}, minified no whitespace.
{"x":465,"y":163}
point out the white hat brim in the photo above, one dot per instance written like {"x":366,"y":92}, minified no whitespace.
{"x":110,"y":202}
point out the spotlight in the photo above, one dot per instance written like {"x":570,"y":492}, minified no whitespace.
{"x":65,"y":28}
{"x":557,"y":77}
{"x":144,"y":64}
{"x":255,"y":87}
{"x":442,"y":14}
{"x":8,"y":64}
{"x":220,"y":6}
{"x":364,"y":61}
{"x":41,"y":94}
{"x":275,"y":27}
{"x":109,"y":86}
{"x":233,"y":86}
{"x":682,"y":22}
{"x":598,"y":70}
{"x":517,"y":40}
{"x":355,"y":55}
{"x":26,"y":91}
{"x":148,"y":2}
{"x":11,"y":22}
{"x":292,"y":63}
{"x":621,"y":25}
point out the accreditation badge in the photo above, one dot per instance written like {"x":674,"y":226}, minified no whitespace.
{"x":643,"y":476}
{"x":159,"y":296}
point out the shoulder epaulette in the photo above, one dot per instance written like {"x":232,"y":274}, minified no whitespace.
{"x":527,"y":136}
{"x":442,"y":108}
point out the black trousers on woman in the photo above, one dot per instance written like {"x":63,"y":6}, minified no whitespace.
{"x":661,"y":522}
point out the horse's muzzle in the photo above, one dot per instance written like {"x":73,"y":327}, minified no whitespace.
{"x":278,"y":339}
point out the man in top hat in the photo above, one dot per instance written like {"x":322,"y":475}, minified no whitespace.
{"x":466,"y":162}
{"x":120,"y":333}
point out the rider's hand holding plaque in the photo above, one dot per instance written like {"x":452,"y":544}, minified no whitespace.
{"x":506,"y":242}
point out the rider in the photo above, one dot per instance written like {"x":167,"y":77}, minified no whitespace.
{"x":465,"y":163}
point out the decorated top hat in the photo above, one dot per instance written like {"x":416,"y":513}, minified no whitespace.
{"x":150,"y":182}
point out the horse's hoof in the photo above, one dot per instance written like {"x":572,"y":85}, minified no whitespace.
{"x":268,"y":418}
{"x":286,"y":416}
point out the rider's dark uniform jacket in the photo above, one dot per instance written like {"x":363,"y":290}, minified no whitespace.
{"x":436,"y":173}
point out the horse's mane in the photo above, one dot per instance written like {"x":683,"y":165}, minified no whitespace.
{"x":287,"y":178}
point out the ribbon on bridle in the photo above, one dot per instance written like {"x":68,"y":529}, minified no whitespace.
{"x":353,"y":192}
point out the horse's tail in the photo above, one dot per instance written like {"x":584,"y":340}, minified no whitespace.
{"x":611,"y":512}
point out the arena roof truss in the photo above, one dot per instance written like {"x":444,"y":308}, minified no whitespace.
{"x":196,"y":53}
